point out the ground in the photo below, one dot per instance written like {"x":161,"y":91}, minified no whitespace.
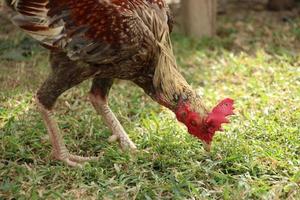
{"x":254,"y":59}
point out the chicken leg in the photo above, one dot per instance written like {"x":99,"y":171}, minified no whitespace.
{"x":60,"y":151}
{"x":46,"y":97}
{"x":98,"y":97}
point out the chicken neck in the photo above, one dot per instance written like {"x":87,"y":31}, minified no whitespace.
{"x":171,"y":88}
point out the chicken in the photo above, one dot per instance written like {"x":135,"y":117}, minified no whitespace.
{"x":105,"y":40}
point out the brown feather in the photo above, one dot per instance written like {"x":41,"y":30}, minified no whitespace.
{"x":134,"y":35}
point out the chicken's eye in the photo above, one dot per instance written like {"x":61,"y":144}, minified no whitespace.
{"x":183,"y":114}
{"x":193,"y":123}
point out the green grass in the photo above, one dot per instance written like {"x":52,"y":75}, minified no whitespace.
{"x":255,"y":61}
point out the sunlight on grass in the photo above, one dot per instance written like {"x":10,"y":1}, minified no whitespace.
{"x":256,"y":157}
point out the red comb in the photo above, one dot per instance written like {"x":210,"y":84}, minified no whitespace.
{"x":225,"y":107}
{"x":221,"y":111}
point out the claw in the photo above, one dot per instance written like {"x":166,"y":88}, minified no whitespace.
{"x":128,"y":145}
{"x":73,"y":160}
{"x":72,"y":163}
{"x":81,"y":159}
{"x":124,"y":141}
{"x":113,"y":138}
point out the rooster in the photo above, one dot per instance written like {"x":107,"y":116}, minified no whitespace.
{"x":105,"y":40}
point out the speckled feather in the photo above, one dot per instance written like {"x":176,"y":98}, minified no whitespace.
{"x":133,"y":34}
{"x":89,"y":30}
{"x":108,"y":39}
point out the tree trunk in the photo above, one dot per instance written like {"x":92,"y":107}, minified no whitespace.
{"x":199,"y":17}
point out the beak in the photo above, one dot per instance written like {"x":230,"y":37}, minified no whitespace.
{"x":207,"y":146}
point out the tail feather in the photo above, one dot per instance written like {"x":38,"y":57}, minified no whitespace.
{"x":32,"y":17}
{"x":11,"y":4}
{"x":32,"y":7}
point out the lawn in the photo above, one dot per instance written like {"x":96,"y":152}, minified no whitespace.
{"x":254,"y":59}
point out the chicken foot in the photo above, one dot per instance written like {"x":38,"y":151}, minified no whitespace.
{"x":60,"y":151}
{"x":65,"y":74}
{"x":98,"y":97}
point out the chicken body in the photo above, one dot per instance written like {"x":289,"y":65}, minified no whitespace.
{"x":104,"y":40}
{"x":98,"y":38}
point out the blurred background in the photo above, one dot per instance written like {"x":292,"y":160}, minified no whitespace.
{"x":198,"y":18}
{"x":248,"y":50}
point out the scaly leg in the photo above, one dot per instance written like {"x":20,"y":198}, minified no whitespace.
{"x":46,"y":97}
{"x":98,"y":97}
{"x":60,"y":151}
